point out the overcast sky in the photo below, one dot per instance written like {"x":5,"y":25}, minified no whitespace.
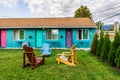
{"x":60,"y":8}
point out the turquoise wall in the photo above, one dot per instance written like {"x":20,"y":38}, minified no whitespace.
{"x":60,"y":43}
{"x":10,"y":42}
{"x":9,"y":39}
{"x":83,"y":43}
{"x":32,"y":40}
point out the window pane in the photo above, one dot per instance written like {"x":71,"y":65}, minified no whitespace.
{"x":48,"y":34}
{"x":21,"y":34}
{"x":52,"y":34}
{"x":16,"y":35}
{"x":85,"y":34}
{"x":79,"y":34}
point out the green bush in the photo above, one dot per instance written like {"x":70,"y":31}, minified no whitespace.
{"x":117,"y":57}
{"x":105,"y":48}
{"x":94,"y":44}
{"x":100,"y":44}
{"x":113,"y":49}
{"x":111,"y":55}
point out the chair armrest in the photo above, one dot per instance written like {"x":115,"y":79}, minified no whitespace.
{"x":65,"y":52}
{"x":50,"y":50}
{"x":59,"y":54}
{"x":39,"y":56}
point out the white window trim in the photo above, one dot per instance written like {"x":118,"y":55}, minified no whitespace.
{"x":52,"y":39}
{"x":18,"y":37}
{"x":82,"y":34}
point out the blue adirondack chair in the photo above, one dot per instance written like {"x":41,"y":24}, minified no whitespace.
{"x":25,"y":44}
{"x":46,"y":49}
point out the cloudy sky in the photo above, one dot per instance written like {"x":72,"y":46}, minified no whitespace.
{"x":104,"y":10}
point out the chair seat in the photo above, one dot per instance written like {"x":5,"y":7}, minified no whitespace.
{"x":63,"y":58}
{"x":38,"y":60}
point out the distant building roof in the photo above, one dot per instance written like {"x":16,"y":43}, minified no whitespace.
{"x":46,"y":22}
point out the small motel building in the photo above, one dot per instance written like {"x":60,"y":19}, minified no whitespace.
{"x":57,"y":32}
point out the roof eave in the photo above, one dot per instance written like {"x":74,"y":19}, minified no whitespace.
{"x":2,"y":27}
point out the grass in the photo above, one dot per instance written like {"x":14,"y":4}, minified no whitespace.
{"x":88,"y":68}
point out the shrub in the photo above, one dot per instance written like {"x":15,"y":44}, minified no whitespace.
{"x":100,"y":44}
{"x":105,"y":47}
{"x":117,"y":57}
{"x":94,"y":44}
{"x":111,"y":54}
{"x":113,"y":49}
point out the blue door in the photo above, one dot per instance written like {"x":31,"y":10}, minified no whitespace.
{"x":39,"y":38}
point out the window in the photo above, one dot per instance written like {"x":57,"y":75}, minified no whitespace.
{"x":82,"y":34}
{"x":18,"y":34}
{"x":85,"y":34}
{"x":52,"y":34}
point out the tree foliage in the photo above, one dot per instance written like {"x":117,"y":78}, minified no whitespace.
{"x":117,"y":57}
{"x":100,"y":44}
{"x":105,"y":48}
{"x":94,"y":44}
{"x":113,"y":49}
{"x":83,"y":11}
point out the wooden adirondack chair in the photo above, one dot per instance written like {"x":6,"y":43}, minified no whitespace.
{"x":71,"y":60}
{"x":32,"y":59}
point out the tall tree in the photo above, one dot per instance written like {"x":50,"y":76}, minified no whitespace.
{"x":94,"y":44}
{"x":113,"y":49}
{"x":105,"y":48}
{"x":117,"y":58}
{"x":100,"y":44}
{"x":83,"y":11}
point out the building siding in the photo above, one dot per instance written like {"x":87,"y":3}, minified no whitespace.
{"x":32,"y":40}
{"x":83,"y":43}
{"x":62,"y":38}
{"x":60,"y":43}
{"x":10,"y":42}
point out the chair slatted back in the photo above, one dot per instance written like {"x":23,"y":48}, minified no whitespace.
{"x":29,"y":52}
{"x":72,"y":52}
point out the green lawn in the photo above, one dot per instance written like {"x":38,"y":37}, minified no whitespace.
{"x":88,"y":68}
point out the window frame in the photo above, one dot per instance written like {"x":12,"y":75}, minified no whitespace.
{"x":77,"y":36}
{"x":18,"y":34}
{"x":51,"y":34}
